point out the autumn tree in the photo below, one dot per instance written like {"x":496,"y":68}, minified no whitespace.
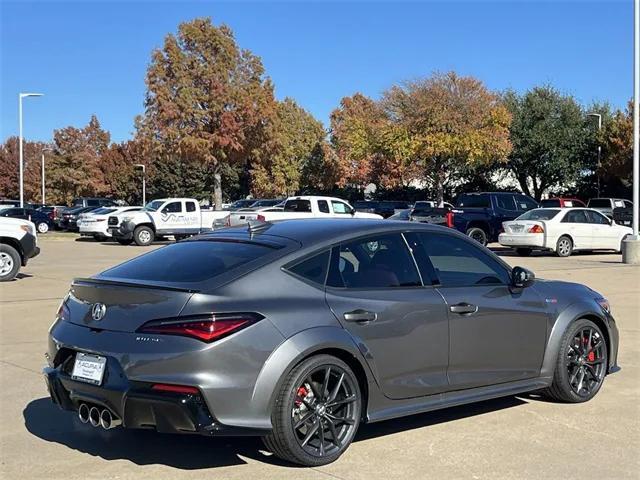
{"x":617,"y":155}
{"x":294,"y":136}
{"x":451,"y":122}
{"x":9,"y":169}
{"x":551,"y":139}
{"x":205,"y":98}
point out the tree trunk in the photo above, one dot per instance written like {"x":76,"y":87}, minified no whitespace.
{"x":217,"y":189}
{"x":440,"y":187}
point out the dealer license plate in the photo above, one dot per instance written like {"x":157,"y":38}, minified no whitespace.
{"x":89,"y":368}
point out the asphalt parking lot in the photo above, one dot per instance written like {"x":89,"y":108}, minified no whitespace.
{"x":515,"y":437}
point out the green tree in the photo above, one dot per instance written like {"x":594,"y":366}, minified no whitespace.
{"x":551,"y":137}
{"x":293,"y":137}
{"x":206,"y":99}
{"x":452,"y":123}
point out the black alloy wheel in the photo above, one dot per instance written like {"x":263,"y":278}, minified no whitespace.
{"x":317,"y":414}
{"x":581,"y":365}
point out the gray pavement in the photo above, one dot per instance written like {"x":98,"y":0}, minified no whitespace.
{"x":514,"y":437}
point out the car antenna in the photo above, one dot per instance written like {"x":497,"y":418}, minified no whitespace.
{"x":257,"y":226}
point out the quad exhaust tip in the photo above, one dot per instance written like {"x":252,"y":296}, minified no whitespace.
{"x":96,"y":417}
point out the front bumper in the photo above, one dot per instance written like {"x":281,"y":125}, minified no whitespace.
{"x":123,"y":231}
{"x":136,"y":404}
{"x":30,"y":249}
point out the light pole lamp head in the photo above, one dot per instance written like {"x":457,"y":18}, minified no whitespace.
{"x":141,"y":166}
{"x":23,"y":95}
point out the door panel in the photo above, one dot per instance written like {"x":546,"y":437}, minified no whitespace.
{"x":401,"y":327}
{"x":407,"y":345}
{"x":577,"y":225}
{"x":502,"y":341}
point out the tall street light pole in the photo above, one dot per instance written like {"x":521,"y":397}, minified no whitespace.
{"x":631,"y":246}
{"x":599,"y":117}
{"x":20,"y":97}
{"x":144,"y":182}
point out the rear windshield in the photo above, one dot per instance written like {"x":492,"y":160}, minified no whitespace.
{"x":550,"y":202}
{"x":474,"y":201}
{"x":297,"y":206}
{"x":539,"y":214}
{"x":600,"y":203}
{"x":191,"y":261}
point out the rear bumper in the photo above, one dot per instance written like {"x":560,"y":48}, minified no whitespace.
{"x":525,"y":240}
{"x":137,"y":405}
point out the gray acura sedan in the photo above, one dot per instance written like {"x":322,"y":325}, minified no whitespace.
{"x":300,"y":330}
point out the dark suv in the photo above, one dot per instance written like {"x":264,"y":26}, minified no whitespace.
{"x":480,"y":215}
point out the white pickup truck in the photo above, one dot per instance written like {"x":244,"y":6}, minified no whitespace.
{"x":178,"y":217}
{"x":18,"y":244}
{"x":301,"y":207}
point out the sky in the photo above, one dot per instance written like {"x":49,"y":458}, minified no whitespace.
{"x":91,"y":57}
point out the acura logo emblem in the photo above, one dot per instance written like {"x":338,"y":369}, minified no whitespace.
{"x":97,"y":311}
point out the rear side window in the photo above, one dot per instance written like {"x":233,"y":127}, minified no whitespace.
{"x":600,"y":203}
{"x":474,"y":201}
{"x":92,"y":202}
{"x":373,"y":262}
{"x":313,"y":269}
{"x":191,"y":261}
{"x":505,"y":202}
{"x":191,"y":206}
{"x":297,"y":206}
{"x":323,"y":206}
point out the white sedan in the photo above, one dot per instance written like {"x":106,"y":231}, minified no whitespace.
{"x":95,"y":224}
{"x":562,"y":230}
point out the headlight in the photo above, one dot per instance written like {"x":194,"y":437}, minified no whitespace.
{"x":604,"y":304}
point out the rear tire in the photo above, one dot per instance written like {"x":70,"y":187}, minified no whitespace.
{"x":124,"y":241}
{"x":10,"y":262}
{"x":579,"y":374}
{"x":564,"y":246}
{"x":317,"y":412}
{"x":143,"y":236}
{"x":479,"y":235}
{"x":524,"y":252}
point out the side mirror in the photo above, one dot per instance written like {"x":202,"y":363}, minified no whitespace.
{"x":521,"y":277}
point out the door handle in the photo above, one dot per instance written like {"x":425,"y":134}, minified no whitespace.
{"x":464,"y":308}
{"x":360,"y":315}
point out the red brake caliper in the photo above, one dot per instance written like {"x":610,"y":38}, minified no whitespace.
{"x":592,"y":356}
{"x":302,"y":392}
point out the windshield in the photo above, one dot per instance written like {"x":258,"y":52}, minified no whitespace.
{"x":153,"y":206}
{"x":539,"y":214}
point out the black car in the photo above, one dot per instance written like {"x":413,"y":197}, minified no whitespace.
{"x":43,"y":221}
{"x":70,"y":217}
{"x":384,"y":208}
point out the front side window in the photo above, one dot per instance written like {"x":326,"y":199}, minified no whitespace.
{"x":575,"y":216}
{"x":628,"y":204}
{"x":173,"y":207}
{"x":597,"y":218}
{"x":340,"y":207}
{"x":457,"y":262}
{"x":474,"y":201}
{"x":374,"y":262}
{"x":525,"y":203}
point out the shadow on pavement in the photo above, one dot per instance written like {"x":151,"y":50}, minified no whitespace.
{"x":192,"y":452}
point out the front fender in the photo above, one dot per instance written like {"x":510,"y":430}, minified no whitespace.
{"x":576,"y":311}
{"x":301,"y":345}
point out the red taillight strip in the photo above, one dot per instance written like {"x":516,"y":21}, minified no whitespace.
{"x":165,"y":387}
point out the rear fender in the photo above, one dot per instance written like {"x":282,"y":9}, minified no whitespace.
{"x":289,"y":354}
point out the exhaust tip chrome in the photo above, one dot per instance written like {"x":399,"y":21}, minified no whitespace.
{"x":83,"y":413}
{"x":94,"y":416}
{"x":107,"y":420}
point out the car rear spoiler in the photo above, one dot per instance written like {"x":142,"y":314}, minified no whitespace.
{"x":130,"y":284}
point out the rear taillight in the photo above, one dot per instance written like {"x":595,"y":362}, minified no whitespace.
{"x":207,"y":328}
{"x":449,"y":219}
{"x":63,"y":312}
{"x":50,"y":215}
{"x":536,"y":229}
{"x":260,"y":218}
{"x":166,"y":387}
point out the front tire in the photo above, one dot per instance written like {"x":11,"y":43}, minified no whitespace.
{"x":479,"y":235}
{"x":317,"y":412}
{"x":564,"y":246}
{"x":143,"y":236}
{"x":10,"y":262}
{"x":42,"y":227}
{"x":581,"y":364}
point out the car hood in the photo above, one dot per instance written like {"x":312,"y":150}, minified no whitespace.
{"x":564,"y":293}
{"x":15,"y":221}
